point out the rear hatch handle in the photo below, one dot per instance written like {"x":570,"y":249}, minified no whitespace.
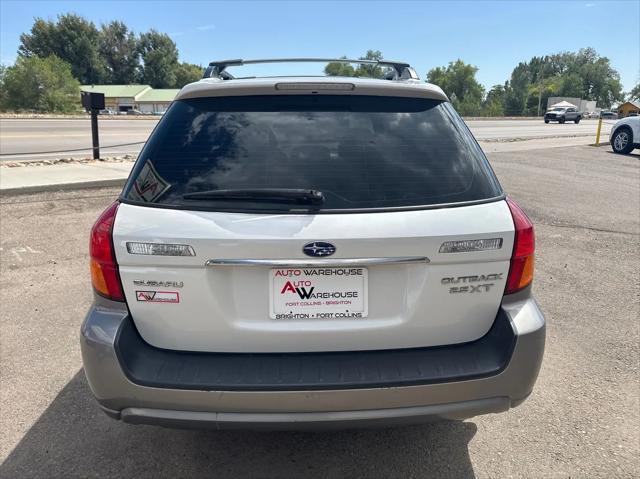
{"x":318,"y":262}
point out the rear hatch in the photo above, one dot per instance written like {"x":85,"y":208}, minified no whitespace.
{"x":408,"y":246}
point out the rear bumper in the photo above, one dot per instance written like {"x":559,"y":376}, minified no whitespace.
{"x":125,"y":391}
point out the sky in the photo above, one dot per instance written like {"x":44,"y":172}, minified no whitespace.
{"x":492,"y":35}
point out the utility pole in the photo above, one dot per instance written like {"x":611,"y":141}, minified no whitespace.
{"x":540,"y":88}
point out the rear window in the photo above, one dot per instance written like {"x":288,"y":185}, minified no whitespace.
{"x":361,"y":152}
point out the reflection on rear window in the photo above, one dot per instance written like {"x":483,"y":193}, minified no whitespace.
{"x":362,"y":152}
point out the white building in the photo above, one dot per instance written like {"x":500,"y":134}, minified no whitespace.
{"x":122,"y":98}
{"x":583,"y":105}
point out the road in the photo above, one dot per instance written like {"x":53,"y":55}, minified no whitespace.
{"x":528,"y":129}
{"x":583,"y":419}
{"x":21,"y":138}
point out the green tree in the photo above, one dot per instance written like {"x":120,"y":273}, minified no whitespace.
{"x":370,"y":71}
{"x":571,"y":85}
{"x":583,"y":74}
{"x":496,"y":94}
{"x":160,"y":59}
{"x":41,"y":84}
{"x":634,"y":94}
{"x":336,"y":69}
{"x":3,"y":72}
{"x":119,"y":50}
{"x":494,"y":102}
{"x":362,"y":70}
{"x":600,"y":81}
{"x":72,"y":39}
{"x":538,"y":94}
{"x":187,"y":73}
{"x":517,"y":90}
{"x":458,"y":80}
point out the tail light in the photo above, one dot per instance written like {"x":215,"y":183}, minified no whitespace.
{"x":522,"y":258}
{"x":104,"y":269}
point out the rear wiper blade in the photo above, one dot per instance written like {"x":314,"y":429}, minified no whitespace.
{"x":287,"y":195}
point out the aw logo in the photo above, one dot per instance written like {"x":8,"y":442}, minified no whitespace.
{"x":145,"y":295}
{"x":149,"y":185}
{"x":299,"y":288}
{"x":158,"y":296}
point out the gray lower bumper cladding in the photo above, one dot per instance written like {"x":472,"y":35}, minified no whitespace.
{"x":140,"y":384}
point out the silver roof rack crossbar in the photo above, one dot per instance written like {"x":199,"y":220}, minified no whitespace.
{"x":398,"y":70}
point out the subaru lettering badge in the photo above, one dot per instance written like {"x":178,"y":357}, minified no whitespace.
{"x":318,"y":249}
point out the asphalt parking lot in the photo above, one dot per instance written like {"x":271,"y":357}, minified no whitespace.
{"x":583,"y":419}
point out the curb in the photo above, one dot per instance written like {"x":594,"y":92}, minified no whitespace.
{"x":62,"y":187}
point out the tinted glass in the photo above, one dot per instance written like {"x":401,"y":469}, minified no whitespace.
{"x":361,"y":152}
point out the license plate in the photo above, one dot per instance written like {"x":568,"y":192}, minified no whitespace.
{"x":318,"y":293}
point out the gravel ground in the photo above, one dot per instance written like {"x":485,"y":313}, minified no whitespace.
{"x":583,"y":419}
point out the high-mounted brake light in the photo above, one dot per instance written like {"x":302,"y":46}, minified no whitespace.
{"x":522,"y":258}
{"x":315,"y":86}
{"x":104,"y":269}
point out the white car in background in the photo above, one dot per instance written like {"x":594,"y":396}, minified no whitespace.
{"x":625,"y":135}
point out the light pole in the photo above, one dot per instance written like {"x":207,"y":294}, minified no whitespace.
{"x":540,"y":88}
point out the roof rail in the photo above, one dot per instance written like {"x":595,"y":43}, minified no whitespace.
{"x":399,"y":70}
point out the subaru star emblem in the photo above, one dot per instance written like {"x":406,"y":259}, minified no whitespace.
{"x":319,"y":248}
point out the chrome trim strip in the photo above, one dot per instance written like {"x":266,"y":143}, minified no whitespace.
{"x":318,"y":262}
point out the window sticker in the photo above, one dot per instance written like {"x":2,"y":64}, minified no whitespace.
{"x":149,"y":185}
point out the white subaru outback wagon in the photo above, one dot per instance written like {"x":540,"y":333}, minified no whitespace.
{"x":304,"y":252}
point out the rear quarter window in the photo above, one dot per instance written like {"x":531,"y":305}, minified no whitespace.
{"x":362,"y":152}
